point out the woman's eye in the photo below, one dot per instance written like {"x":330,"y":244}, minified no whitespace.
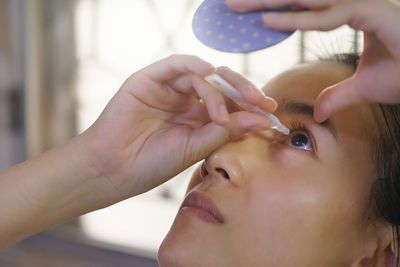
{"x":300,"y":140}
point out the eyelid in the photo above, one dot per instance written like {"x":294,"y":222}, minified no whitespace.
{"x":298,"y":126}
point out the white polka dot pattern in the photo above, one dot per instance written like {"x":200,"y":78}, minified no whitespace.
{"x":217,"y":26}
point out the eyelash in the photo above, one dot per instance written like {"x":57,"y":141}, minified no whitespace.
{"x":297,"y":126}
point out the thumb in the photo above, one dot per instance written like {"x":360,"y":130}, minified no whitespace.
{"x":210,"y":137}
{"x":336,"y":97}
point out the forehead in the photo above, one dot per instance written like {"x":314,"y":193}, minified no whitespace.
{"x":305,"y":82}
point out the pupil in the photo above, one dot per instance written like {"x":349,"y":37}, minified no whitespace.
{"x":299,"y":140}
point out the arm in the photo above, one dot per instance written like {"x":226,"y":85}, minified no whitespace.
{"x":47,"y":190}
{"x":165,"y":109}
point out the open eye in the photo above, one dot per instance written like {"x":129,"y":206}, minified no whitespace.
{"x":300,"y":140}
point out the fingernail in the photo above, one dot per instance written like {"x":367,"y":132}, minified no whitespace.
{"x":273,"y":103}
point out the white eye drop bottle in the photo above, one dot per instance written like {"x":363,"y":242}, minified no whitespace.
{"x":230,"y":92}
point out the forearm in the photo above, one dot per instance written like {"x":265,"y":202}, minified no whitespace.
{"x":52,"y":188}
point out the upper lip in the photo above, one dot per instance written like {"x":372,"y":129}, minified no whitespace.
{"x":201,"y":201}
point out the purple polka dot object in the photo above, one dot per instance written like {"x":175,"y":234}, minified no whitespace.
{"x":221,"y":28}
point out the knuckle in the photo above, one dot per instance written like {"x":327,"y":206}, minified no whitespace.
{"x":223,"y":69}
{"x":173,"y":56}
{"x":177,"y":56}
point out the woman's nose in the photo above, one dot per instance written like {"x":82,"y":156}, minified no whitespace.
{"x":225,"y":166}
{"x":230,"y":162}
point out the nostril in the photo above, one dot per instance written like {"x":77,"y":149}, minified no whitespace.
{"x":222,"y":172}
{"x":203,"y":170}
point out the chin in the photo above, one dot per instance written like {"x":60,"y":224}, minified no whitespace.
{"x":190,"y":246}
{"x":184,"y":246}
{"x":174,"y":252}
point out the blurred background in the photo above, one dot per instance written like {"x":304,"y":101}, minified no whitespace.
{"x":60,"y":63}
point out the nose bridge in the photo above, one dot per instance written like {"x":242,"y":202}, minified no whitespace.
{"x":247,"y":144}
{"x":229,"y":161}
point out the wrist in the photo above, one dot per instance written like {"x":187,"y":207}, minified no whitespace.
{"x":67,"y":183}
{"x":87,"y":188}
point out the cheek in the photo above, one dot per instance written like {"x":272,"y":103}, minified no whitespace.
{"x":300,"y":212}
{"x":287,"y":157}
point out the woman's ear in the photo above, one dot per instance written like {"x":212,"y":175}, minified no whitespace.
{"x":380,"y":251}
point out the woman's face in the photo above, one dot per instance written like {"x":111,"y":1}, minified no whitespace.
{"x":297,"y":200}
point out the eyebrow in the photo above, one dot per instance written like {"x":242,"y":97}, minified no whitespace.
{"x":300,"y":108}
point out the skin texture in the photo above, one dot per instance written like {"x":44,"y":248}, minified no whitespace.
{"x":166,"y":105}
{"x":284,"y":206}
{"x":380,"y":60}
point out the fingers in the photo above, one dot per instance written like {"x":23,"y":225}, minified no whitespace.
{"x":385,"y":17}
{"x":214,"y":101}
{"x":335,"y":98}
{"x":250,"y":5}
{"x":320,"y":20}
{"x":175,"y":65}
{"x":176,"y":79}
{"x":249,"y":92}
{"x":210,"y":137}
{"x":201,"y":89}
{"x":368,"y":16}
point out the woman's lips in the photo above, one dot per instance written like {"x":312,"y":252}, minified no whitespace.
{"x":202,"y":207}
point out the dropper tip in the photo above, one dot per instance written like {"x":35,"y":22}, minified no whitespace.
{"x":283,"y":129}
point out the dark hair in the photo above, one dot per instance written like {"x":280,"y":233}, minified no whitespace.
{"x":385,"y":192}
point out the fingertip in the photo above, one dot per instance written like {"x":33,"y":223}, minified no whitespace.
{"x":320,"y":115}
{"x":272,"y":104}
{"x":322,"y":106}
{"x":204,"y":69}
{"x":208,"y":69}
{"x":335,"y":98}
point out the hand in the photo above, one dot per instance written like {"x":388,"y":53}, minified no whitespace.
{"x":162,"y":120}
{"x":377,"y":78}
{"x":165,"y":118}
